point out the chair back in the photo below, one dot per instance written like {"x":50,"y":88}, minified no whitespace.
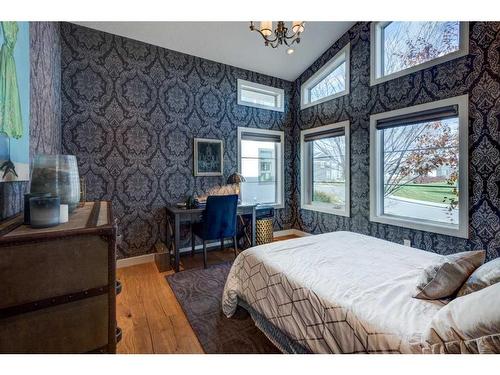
{"x":219,"y":217}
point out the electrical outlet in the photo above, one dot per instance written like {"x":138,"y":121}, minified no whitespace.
{"x":407,"y":243}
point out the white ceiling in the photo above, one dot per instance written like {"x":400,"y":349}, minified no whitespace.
{"x":232,"y":43}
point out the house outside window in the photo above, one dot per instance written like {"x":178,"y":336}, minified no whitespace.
{"x":260,"y":161}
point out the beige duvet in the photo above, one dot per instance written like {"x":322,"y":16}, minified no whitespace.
{"x":337,"y":292}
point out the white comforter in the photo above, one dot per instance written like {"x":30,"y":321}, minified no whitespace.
{"x":337,"y":292}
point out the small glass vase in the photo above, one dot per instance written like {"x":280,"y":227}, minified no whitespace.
{"x":57,"y":175}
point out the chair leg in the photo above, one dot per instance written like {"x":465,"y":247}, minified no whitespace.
{"x":222,"y":243}
{"x":235,"y":245}
{"x":204,"y":254}
{"x":192,"y":242}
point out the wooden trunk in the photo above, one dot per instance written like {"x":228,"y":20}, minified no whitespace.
{"x":57,"y":285}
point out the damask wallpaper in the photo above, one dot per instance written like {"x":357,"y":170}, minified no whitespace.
{"x":130,"y":112}
{"x":45,"y":103}
{"x":477,"y":74}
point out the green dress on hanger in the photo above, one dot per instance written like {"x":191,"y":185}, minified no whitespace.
{"x":10,"y":105}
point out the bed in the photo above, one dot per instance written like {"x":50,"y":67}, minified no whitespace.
{"x":337,"y":292}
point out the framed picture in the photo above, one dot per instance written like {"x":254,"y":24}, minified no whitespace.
{"x":14,"y":101}
{"x":208,"y":157}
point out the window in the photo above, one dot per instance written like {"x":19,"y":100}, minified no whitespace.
{"x":260,"y":96}
{"x":331,"y":81}
{"x":400,"y":48}
{"x":418,"y":167}
{"x":260,"y":161}
{"x":325,"y":169}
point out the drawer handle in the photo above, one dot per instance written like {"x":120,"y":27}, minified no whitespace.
{"x":118,"y":334}
{"x":118,"y":287}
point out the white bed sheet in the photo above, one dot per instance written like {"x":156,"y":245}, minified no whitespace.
{"x":339,"y":292}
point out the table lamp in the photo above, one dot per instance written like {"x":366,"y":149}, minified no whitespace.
{"x":236,"y":179}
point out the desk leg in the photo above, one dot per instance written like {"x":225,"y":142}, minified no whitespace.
{"x":177,"y":233}
{"x":253,"y":227}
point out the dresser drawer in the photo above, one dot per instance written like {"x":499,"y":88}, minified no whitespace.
{"x":76,"y":327}
{"x":36,"y":271}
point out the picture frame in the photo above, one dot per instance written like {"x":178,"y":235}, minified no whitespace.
{"x":208,"y":157}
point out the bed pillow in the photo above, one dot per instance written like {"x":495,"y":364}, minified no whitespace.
{"x":443,"y":279}
{"x":468,"y":324}
{"x":486,"y":275}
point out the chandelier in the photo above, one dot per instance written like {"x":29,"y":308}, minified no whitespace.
{"x":280,"y":35}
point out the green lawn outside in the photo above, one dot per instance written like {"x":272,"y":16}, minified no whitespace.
{"x":434,"y":192}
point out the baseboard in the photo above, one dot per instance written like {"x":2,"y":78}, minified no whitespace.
{"x":132,"y":261}
{"x":291,"y":232}
{"x":147,"y":258}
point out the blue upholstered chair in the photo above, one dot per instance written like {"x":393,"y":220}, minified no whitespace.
{"x":219,"y":222}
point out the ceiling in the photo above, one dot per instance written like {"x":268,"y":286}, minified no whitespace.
{"x":232,"y":43}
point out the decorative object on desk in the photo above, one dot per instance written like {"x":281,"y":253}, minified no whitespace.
{"x":58,"y":175}
{"x":236,"y":179}
{"x":83,"y":192}
{"x":63,"y":213}
{"x":27,"y":204}
{"x":14,"y":101}
{"x":44,"y":211}
{"x":208,"y":157}
{"x":190,"y":202}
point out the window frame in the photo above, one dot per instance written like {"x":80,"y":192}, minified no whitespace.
{"x":278,"y":93}
{"x":376,"y":180}
{"x":280,"y":164}
{"x":344,"y":55}
{"x":376,"y":75}
{"x":306,"y":169}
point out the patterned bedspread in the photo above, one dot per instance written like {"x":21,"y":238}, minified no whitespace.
{"x":337,"y":292}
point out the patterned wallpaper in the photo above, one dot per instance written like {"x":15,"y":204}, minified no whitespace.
{"x":130,"y":112}
{"x":45,"y":101}
{"x":477,"y":74}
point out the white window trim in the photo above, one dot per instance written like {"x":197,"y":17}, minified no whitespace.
{"x":304,"y":181}
{"x":376,"y":76}
{"x":280,"y":166}
{"x":279,"y":94}
{"x":375,"y":172}
{"x":343,"y":55}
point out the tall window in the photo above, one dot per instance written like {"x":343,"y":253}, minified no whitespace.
{"x":261,"y":163}
{"x":419,"y":167}
{"x":331,"y":81}
{"x":256,"y":95}
{"x":325,"y":169}
{"x":400,"y":48}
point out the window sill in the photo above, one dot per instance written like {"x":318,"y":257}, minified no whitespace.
{"x":325,"y":210}
{"x":460,"y":231}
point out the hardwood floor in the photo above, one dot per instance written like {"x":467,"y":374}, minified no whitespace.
{"x":151,"y":319}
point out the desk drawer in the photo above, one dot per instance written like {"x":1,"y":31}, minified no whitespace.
{"x":36,"y":271}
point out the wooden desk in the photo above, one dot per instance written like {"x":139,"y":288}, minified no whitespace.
{"x":177,"y":216}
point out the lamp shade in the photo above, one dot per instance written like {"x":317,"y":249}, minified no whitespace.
{"x":235,"y":178}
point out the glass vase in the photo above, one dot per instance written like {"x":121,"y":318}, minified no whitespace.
{"x":57,"y":175}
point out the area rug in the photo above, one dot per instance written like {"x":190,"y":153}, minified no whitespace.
{"x":199,"y":292}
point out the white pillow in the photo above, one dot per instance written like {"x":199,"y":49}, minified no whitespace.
{"x":468,"y":324}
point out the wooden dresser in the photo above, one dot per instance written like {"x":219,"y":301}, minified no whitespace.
{"x":58,"y":286}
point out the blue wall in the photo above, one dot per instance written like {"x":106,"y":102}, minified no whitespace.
{"x":130,"y":113}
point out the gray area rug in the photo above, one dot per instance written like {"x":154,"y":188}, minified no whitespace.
{"x":199,"y":292}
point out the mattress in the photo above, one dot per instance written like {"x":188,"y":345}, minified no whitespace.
{"x":339,"y":292}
